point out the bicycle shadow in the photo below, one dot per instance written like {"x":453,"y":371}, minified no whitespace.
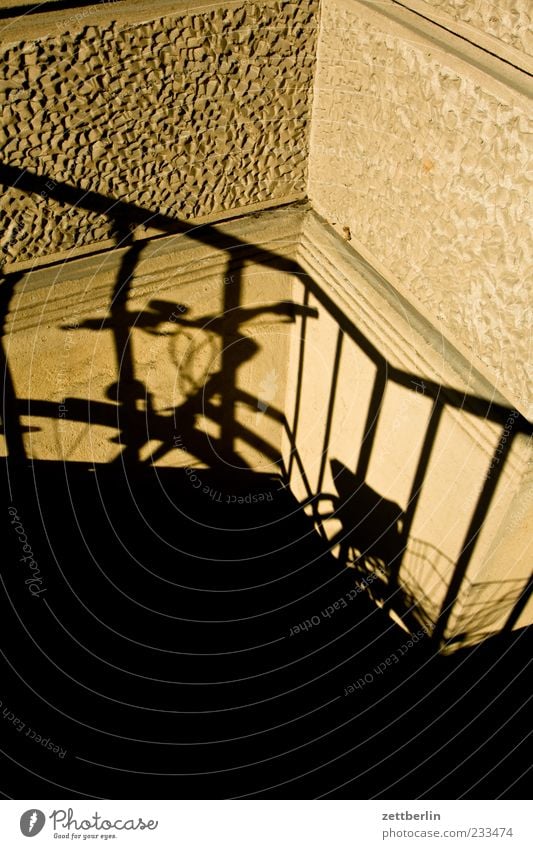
{"x":370,"y":539}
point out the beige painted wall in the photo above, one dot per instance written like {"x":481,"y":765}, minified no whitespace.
{"x":509,"y":21}
{"x":426,"y":160}
{"x":192,"y":115}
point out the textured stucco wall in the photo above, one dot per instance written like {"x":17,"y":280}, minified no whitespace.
{"x":190,"y":115}
{"x":425,"y":160}
{"x":508,"y":20}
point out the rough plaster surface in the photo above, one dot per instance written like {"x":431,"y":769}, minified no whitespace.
{"x":427,"y":167}
{"x":509,"y":20}
{"x":187,"y":115}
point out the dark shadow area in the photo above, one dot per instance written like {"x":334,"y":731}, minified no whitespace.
{"x":181,"y":633}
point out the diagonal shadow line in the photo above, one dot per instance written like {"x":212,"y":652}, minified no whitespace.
{"x":126,"y":395}
{"x":484,"y":501}
{"x":126,"y":214}
{"x":125,"y":217}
